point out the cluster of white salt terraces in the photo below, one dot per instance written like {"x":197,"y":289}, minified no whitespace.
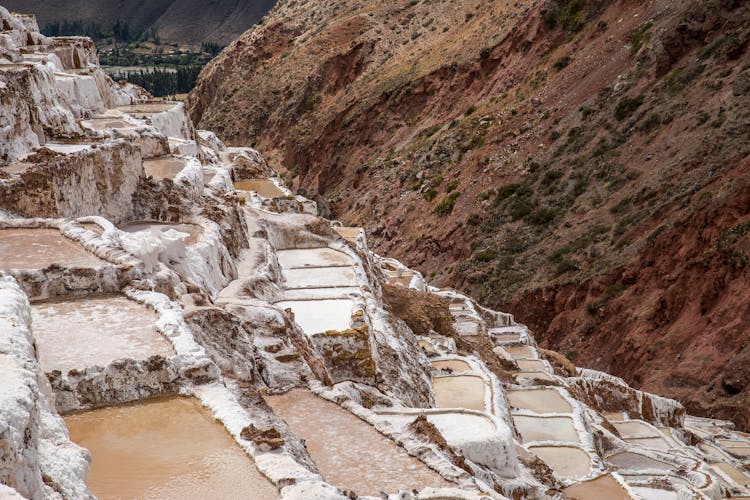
{"x":205,"y":334}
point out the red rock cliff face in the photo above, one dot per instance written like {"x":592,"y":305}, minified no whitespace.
{"x":583,"y":163}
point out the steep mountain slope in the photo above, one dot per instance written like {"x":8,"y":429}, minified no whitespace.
{"x":584,"y":164}
{"x":183,"y":21}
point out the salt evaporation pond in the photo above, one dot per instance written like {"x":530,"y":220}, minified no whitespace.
{"x":94,"y":331}
{"x":463,"y":391}
{"x":312,"y":257}
{"x":565,"y":461}
{"x":39,"y":248}
{"x":733,"y":473}
{"x":520,"y":351}
{"x":264,"y":187}
{"x":319,"y":277}
{"x":531,"y":365}
{"x":104,"y":123}
{"x":455,"y":365}
{"x":546,"y":429}
{"x":147,"y":108}
{"x":603,"y":487}
{"x":164,"y":167}
{"x":635,"y":429}
{"x":350,"y":453}
{"x":165,"y":449}
{"x":317,"y":316}
{"x":193,"y":231}
{"x":539,"y":401}
{"x":637,"y":462}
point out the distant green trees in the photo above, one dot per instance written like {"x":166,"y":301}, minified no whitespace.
{"x":162,"y":82}
{"x":119,"y":30}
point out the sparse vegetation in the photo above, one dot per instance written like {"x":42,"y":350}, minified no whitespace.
{"x":562,"y":62}
{"x":627,"y":106}
{"x":640,"y":38}
{"x":445,"y":207}
{"x":612,"y":292}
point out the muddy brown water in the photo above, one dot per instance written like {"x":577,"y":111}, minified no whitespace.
{"x":604,"y":487}
{"x":539,"y":401}
{"x":164,"y":167}
{"x":462,"y":391}
{"x":165,"y":449}
{"x":39,"y":248}
{"x":264,"y":188}
{"x":350,"y":453}
{"x":194,"y":231}
{"x":94,"y":331}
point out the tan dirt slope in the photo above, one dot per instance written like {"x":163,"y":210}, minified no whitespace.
{"x":584,"y":164}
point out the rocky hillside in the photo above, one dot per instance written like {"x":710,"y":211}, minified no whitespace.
{"x":181,"y":21}
{"x":582,"y":163}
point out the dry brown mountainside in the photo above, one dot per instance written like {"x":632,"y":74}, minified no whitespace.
{"x":183,"y":21}
{"x":584,"y":164}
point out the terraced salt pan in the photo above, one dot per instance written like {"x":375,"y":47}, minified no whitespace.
{"x":539,"y":401}
{"x":351,"y":454}
{"x":466,"y":328}
{"x":320,"y":277}
{"x":507,"y":337}
{"x":312,"y":257}
{"x":344,"y":292}
{"x":637,"y":462}
{"x":164,"y":167}
{"x":94,"y":331}
{"x":733,"y":473}
{"x":148,"y":108}
{"x":165,"y":449}
{"x":521,"y":351}
{"x":655,"y":493}
{"x":712,"y":451}
{"x":462,"y":391}
{"x":316,"y":316}
{"x":193,"y":231}
{"x":738,"y":448}
{"x":66,"y":148}
{"x":565,"y":461}
{"x":39,"y":248}
{"x":264,"y":187}
{"x":651,"y":443}
{"x":104,"y":123}
{"x":455,"y":365}
{"x":635,"y":429}
{"x":544,"y":376}
{"x":531,"y":365}
{"x":546,"y":429}
{"x":603,"y":487}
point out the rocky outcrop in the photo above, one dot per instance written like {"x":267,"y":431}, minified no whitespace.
{"x":98,"y":181}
